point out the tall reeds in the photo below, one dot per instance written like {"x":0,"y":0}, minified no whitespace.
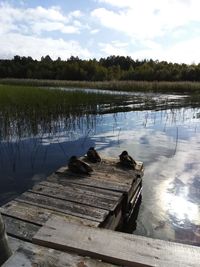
{"x":29,"y":110}
{"x":133,"y":86}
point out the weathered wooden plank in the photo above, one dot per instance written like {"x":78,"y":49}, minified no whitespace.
{"x":19,"y":228}
{"x":133,"y":188}
{"x":27,"y":254}
{"x":115,"y":247}
{"x":97,"y":183}
{"x":38,"y":215}
{"x":64,"y":206}
{"x":81,"y":198}
{"x":15,"y":243}
{"x":126,"y":190}
{"x":83,"y":189}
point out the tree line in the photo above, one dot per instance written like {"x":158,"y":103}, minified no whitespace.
{"x":104,"y":69}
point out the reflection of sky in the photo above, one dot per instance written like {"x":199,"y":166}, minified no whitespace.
{"x":168,"y":142}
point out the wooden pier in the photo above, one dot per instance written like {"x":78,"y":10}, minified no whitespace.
{"x":68,"y":220}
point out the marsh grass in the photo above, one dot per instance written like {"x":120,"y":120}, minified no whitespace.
{"x":27,"y":111}
{"x":131,"y":86}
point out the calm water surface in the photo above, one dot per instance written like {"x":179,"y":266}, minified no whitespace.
{"x":167,"y":140}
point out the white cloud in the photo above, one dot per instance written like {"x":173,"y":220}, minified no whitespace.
{"x":165,"y":30}
{"x":75,"y":14}
{"x":40,"y":13}
{"x":140,"y":28}
{"x":8,"y":12}
{"x":128,"y":23}
{"x":186,"y":51}
{"x":38,"y":19}
{"x":94,"y":31}
{"x":39,"y":27}
{"x":147,"y":19}
{"x":16,"y":44}
{"x":21,"y":32}
{"x":114,"y":48}
{"x":118,"y":3}
{"x":119,"y":44}
{"x":181,"y":52}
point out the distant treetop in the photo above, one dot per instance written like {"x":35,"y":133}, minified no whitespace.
{"x":110,"y":68}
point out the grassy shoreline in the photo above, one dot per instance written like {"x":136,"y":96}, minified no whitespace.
{"x":131,"y":86}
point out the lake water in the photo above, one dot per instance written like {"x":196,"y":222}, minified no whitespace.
{"x":166,"y":138}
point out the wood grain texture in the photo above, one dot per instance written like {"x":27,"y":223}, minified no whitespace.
{"x":137,"y":183}
{"x":77,"y":197}
{"x":89,"y":182}
{"x":38,"y":215}
{"x":115,"y":247}
{"x":60,"y":184}
{"x":27,"y":255}
{"x":67,"y":207}
{"x":113,"y":169}
{"x":19,"y":228}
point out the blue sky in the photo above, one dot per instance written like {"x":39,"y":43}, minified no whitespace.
{"x":164,"y":30}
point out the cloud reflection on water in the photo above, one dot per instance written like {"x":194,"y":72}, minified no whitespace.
{"x":169,"y":210}
{"x":168,"y":142}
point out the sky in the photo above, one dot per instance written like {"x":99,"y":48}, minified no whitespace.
{"x":142,"y":29}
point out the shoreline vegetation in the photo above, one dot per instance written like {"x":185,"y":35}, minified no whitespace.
{"x":29,"y":110}
{"x":117,"y":73}
{"x":165,"y":87}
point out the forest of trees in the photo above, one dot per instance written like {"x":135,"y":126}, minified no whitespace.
{"x":110,"y":68}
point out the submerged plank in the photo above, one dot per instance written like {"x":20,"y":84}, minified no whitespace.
{"x":27,"y":254}
{"x":64,"y":206}
{"x":77,"y":197}
{"x":115,"y":247}
{"x":38,"y":215}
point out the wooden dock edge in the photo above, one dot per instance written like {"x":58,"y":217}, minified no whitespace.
{"x":115,"y":247}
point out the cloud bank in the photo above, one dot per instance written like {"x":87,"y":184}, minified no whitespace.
{"x":26,"y":32}
{"x":164,"y":30}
